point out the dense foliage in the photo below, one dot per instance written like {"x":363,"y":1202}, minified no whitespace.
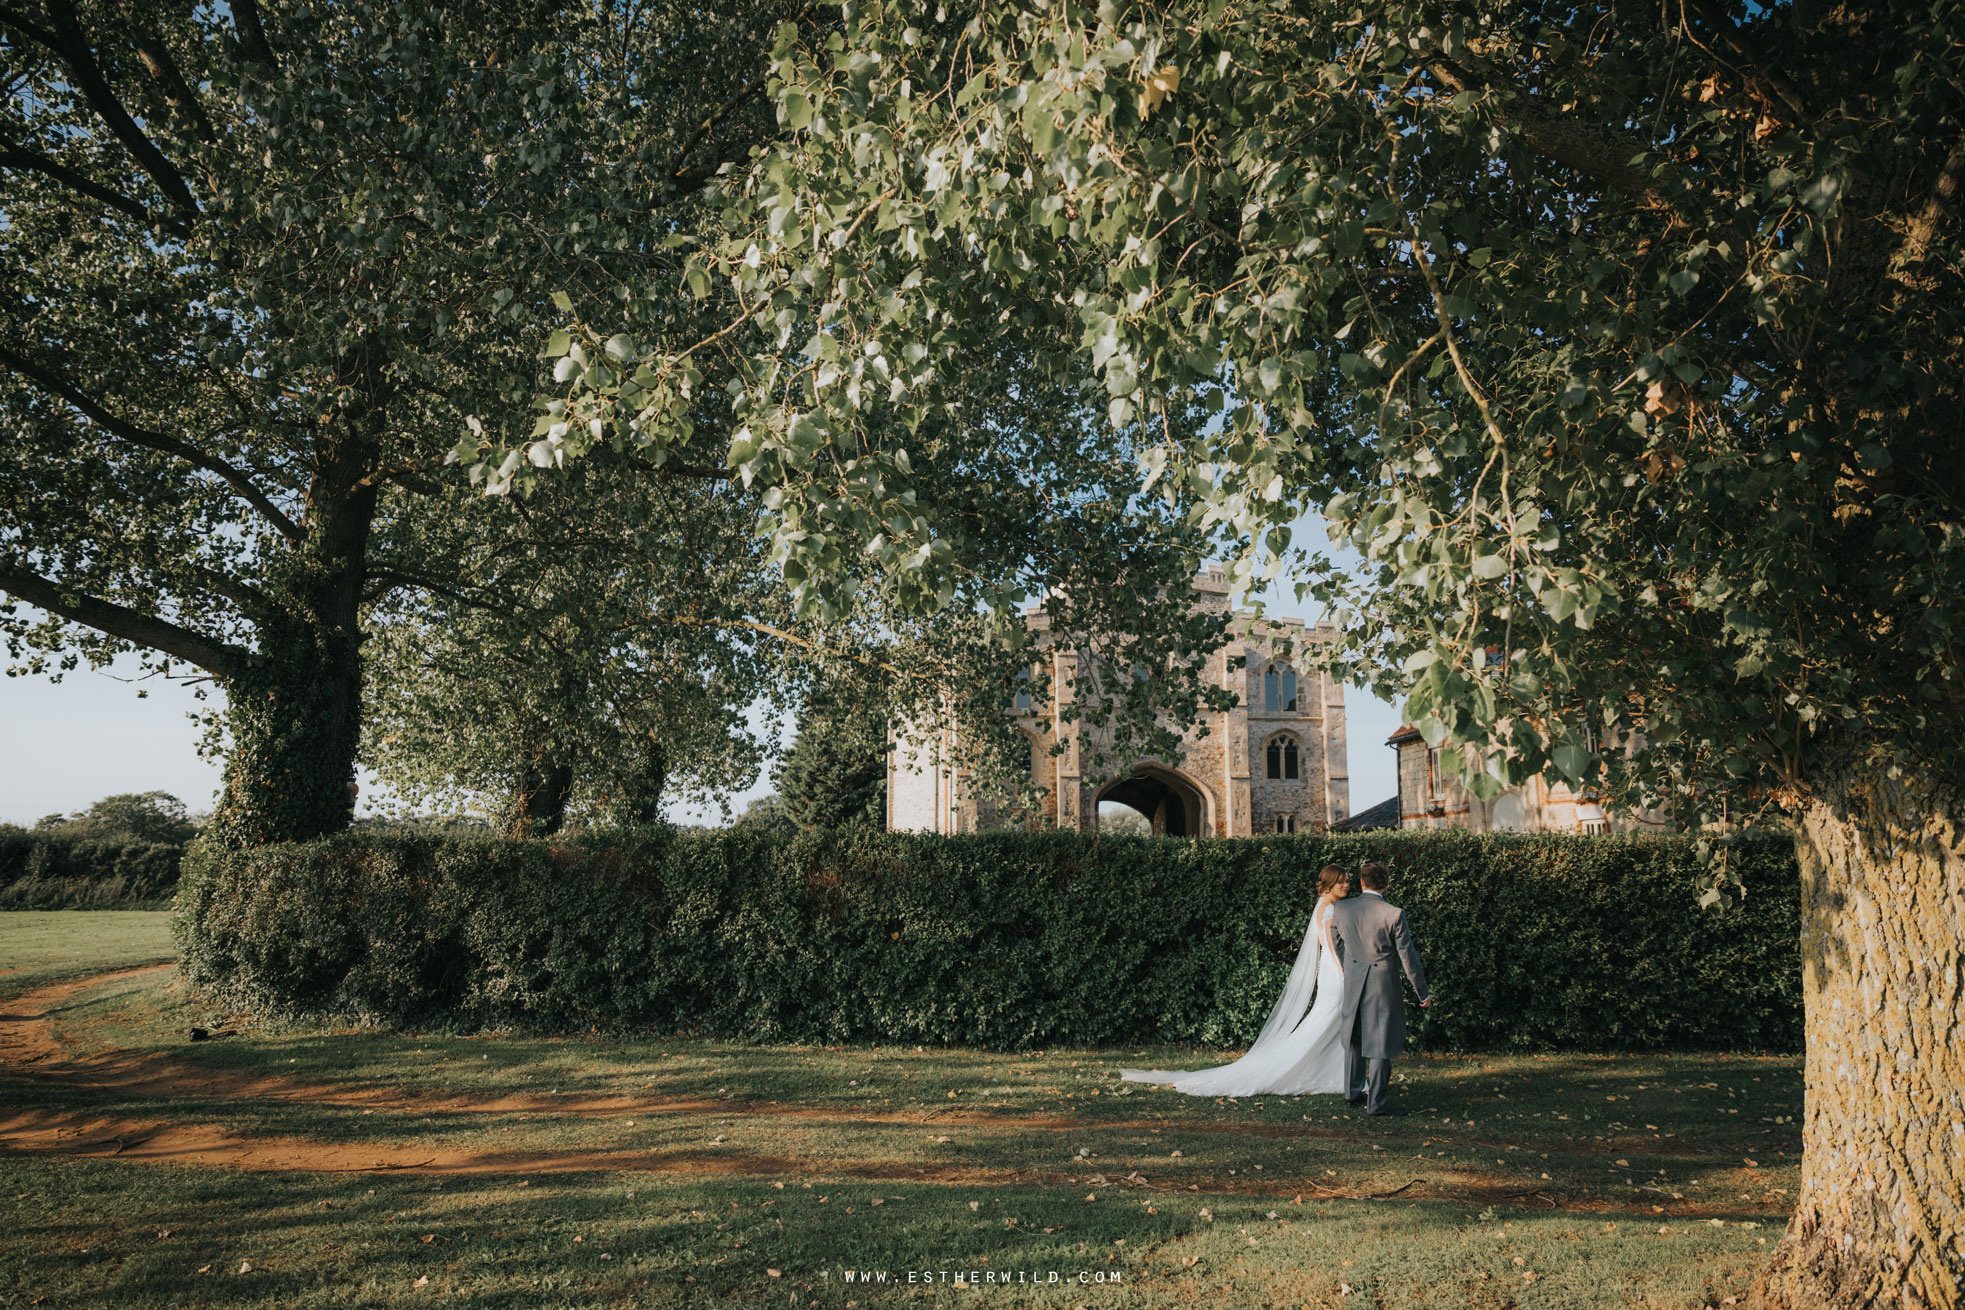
{"x":332,"y":240}
{"x":122,"y":852}
{"x":1627,"y":364}
{"x":1001,"y":940}
{"x":592,"y":657}
{"x":835,"y":773}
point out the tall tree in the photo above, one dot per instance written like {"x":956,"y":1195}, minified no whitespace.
{"x":259,"y":272}
{"x":835,"y":774}
{"x":594,"y":654}
{"x":1625,"y":351}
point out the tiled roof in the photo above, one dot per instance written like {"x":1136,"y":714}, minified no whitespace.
{"x":1385,"y":814}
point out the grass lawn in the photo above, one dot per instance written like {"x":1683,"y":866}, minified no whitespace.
{"x":142,"y":1170}
{"x":40,"y":946}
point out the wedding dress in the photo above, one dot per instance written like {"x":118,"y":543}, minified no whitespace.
{"x":1297,"y":1053}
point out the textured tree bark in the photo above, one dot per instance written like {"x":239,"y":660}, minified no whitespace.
{"x":1881,"y":1215}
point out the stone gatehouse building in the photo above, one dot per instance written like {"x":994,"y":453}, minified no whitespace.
{"x":1273,"y":763}
{"x":1430,"y":799}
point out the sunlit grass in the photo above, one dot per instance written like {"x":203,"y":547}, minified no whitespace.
{"x":680,"y":1171}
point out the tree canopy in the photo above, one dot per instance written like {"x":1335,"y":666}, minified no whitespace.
{"x":262,"y":272}
{"x":835,"y":773}
{"x":275,"y":282}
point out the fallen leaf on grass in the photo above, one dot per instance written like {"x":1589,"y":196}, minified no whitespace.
{"x":424,"y":1281}
{"x":977,"y":1205}
{"x":775,"y":1273}
{"x":245,"y":1266}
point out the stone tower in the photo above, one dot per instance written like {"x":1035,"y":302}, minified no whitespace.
{"x":1273,"y":763}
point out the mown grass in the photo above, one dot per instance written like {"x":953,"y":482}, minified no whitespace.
{"x":43,"y":946}
{"x":1655,"y":1181}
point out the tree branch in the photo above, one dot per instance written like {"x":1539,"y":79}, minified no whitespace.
{"x":158,"y":441}
{"x":388,"y":579}
{"x":1569,"y":141}
{"x":1767,"y":83}
{"x":252,"y":35}
{"x":73,"y":46}
{"x":688,"y":621}
{"x":119,"y":621}
{"x":708,"y":125}
{"x":1924,"y":224}
{"x":16,"y":157}
{"x":157,"y":61}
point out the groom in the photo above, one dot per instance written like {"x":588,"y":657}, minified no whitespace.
{"x":1366,"y":932}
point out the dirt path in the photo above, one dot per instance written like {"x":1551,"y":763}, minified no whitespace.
{"x":30,"y":1052}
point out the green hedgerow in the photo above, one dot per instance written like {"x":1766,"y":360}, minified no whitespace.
{"x":1004,"y":940}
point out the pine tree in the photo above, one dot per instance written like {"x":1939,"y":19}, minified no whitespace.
{"x":835,"y":774}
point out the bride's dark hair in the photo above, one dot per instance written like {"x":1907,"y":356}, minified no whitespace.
{"x":1330,"y":876}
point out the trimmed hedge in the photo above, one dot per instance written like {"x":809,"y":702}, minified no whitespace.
{"x":1008,"y":940}
{"x":49,"y":871}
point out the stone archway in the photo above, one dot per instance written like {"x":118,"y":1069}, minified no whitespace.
{"x":1173,"y":803}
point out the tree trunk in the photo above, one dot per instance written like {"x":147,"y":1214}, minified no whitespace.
{"x":643,"y":803}
{"x":1881,"y":1215}
{"x":295,"y":715}
{"x":545,"y":784}
{"x":295,"y":710}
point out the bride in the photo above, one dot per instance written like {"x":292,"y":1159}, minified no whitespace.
{"x":1297,"y":1053}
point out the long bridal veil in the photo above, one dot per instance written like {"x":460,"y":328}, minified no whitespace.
{"x":1299,"y":1049}
{"x":1294,"y":1003}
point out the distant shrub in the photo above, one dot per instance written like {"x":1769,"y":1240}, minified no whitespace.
{"x":999,"y":940}
{"x":43,"y":870}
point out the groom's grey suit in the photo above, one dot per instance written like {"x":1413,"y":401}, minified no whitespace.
{"x":1368,"y":935}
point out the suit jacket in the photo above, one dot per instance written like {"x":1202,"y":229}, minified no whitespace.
{"x":1368,"y":935}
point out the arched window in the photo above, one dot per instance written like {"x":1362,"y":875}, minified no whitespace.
{"x":1282,"y":761}
{"x":1269,"y":700}
{"x":1279,"y":690}
{"x":1289,"y":691}
{"x":1022,"y":698}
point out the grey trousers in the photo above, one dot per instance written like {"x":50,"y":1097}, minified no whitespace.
{"x":1370,"y":1079}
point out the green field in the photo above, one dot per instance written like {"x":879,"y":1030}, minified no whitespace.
{"x":41,"y":946}
{"x":584,"y":1171}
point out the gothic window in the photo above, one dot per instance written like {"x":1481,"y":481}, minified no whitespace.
{"x":1289,"y":692}
{"x":1286,"y":823}
{"x":1279,"y":690}
{"x":1023,"y":689}
{"x":1282,"y":759}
